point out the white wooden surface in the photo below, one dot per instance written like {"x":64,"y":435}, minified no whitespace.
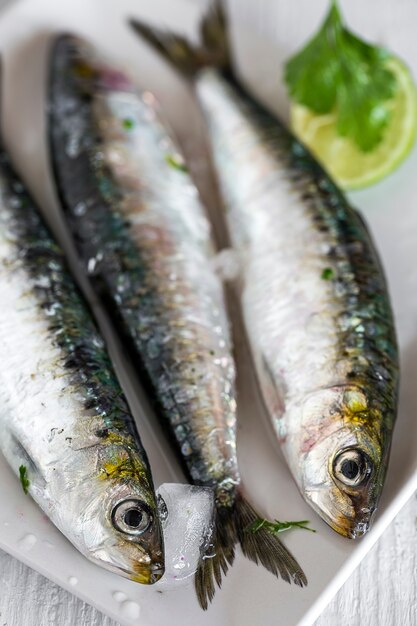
{"x":382,"y":591}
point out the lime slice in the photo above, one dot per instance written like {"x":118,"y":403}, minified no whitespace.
{"x":347,"y":164}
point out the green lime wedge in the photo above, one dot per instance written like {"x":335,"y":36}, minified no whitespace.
{"x":347,"y":164}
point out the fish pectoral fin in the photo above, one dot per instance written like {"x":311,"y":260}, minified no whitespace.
{"x":23,"y":458}
{"x":272,"y":387}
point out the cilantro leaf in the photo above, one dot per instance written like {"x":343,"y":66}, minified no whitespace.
{"x":337,"y":71}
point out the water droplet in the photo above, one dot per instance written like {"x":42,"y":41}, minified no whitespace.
{"x":91,"y":265}
{"x":153,"y":348}
{"x":98,"y":341}
{"x":186,"y":449}
{"x":181,"y":432}
{"x":119,"y":596}
{"x":148,"y":98}
{"x":73,"y":148}
{"x":6,"y":524}
{"x":179,"y":298}
{"x":27,"y":542}
{"x":15,"y":202}
{"x":226,"y":264}
{"x":48,"y":544}
{"x":43,"y":281}
{"x":73,"y":581}
{"x":130,"y":609}
{"x":195,"y":473}
{"x":80,"y":208}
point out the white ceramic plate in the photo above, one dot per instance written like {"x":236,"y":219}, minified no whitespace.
{"x":250,"y":596}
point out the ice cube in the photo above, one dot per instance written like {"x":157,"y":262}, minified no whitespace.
{"x":226,"y":264}
{"x":187,"y":522}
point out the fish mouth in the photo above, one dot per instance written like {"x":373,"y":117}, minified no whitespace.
{"x":143,"y":573}
{"x":353,"y":530}
{"x":350,"y":527}
{"x":147,"y":575}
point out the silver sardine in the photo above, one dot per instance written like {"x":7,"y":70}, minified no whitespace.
{"x":313,"y":292}
{"x":65,"y":425}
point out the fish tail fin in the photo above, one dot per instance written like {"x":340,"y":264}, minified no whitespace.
{"x":231,"y":526}
{"x":185,"y":57}
{"x":263,"y":547}
{"x":217,"y":557}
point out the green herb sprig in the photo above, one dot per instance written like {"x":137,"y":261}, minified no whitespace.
{"x":277,"y":527}
{"x":23,"y":475}
{"x":327,"y":273}
{"x":176,"y":162}
{"x":128,"y":123}
{"x":338,"y":72}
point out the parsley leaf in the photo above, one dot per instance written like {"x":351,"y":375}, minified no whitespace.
{"x":327,"y":273}
{"x":23,"y":475}
{"x":128,"y":123}
{"x":337,"y":71}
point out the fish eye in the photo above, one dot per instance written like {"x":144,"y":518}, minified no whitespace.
{"x":352,"y":467}
{"x":132,"y":517}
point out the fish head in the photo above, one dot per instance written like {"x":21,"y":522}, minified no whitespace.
{"x":344,"y":457}
{"x":121,"y":530}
